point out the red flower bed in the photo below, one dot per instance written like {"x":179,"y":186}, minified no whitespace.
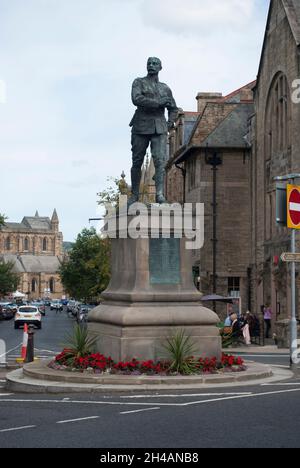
{"x":99,"y":363}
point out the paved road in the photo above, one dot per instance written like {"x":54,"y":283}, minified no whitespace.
{"x":260,"y":416}
{"x":251,"y":416}
{"x":47,"y":341}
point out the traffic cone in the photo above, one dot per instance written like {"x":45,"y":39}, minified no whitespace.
{"x":24,"y":344}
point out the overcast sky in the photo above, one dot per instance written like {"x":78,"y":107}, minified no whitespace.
{"x":68,"y":66}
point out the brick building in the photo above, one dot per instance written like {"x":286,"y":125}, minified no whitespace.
{"x":35,"y":247}
{"x":256,"y":141}
{"x":216,"y":136}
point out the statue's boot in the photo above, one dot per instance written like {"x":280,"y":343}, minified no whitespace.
{"x":135,"y":186}
{"x":159,"y":183}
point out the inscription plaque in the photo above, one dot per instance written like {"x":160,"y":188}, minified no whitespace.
{"x":164,"y":261}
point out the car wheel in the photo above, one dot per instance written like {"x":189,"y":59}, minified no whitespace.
{"x":39,"y":326}
{"x":16,"y":326}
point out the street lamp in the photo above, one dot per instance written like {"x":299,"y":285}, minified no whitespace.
{"x":293,"y":321}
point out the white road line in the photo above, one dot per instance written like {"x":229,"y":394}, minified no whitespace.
{"x":82,"y":402}
{"x":185,"y":395}
{"x":262,"y":355}
{"x":2,"y":381}
{"x":117,"y":403}
{"x":279,"y":384}
{"x":10,"y":350}
{"x":240,"y":396}
{"x":140,"y":410}
{"x":5,"y":394}
{"x":77,"y":420}
{"x":17,"y":428}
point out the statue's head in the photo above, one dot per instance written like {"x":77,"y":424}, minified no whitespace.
{"x":153,"y":65}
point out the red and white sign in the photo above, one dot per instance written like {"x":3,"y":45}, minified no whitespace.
{"x":293,"y":208}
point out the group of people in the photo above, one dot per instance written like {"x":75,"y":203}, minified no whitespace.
{"x":247,"y":326}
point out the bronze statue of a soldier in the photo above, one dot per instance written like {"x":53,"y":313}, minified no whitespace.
{"x":149,"y":126}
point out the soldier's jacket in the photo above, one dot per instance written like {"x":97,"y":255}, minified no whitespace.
{"x":149,"y":117}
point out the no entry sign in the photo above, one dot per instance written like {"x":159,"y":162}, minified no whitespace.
{"x":293,"y":206}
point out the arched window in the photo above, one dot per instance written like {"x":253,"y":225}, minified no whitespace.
{"x":52,"y":285}
{"x":33,"y":285}
{"x":278,"y":117}
{"x":45,"y":244}
{"x":26,"y":244}
{"x":7,"y":243}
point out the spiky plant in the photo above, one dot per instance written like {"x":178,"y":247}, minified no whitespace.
{"x":180,"y":350}
{"x":78,"y":344}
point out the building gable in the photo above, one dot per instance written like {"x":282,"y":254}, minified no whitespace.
{"x":280,"y":11}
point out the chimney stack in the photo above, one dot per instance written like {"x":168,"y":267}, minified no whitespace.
{"x":204,"y":98}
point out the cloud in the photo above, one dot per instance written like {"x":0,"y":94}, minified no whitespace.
{"x":197,"y":16}
{"x":68,"y":67}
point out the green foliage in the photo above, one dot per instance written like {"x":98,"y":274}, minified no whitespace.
{"x":2,"y":220}
{"x":180,"y":351}
{"x":8,"y":279}
{"x":85,"y":274}
{"x":111,"y":194}
{"x":78,"y":345}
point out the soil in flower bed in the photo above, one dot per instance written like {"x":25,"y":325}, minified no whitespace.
{"x":100,"y":364}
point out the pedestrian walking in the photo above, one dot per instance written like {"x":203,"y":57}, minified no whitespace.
{"x":268,"y":319}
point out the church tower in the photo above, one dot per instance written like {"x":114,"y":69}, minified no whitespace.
{"x":55,"y":221}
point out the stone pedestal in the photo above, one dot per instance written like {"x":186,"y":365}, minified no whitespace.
{"x":151,"y":296}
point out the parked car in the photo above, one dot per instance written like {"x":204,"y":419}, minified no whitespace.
{"x":74,"y":307}
{"x":9,"y":310}
{"x":56,"y":305}
{"x":2,"y":307}
{"x":41,"y":306}
{"x":30,"y":315}
{"x":82,"y":312}
{"x":71,"y":305}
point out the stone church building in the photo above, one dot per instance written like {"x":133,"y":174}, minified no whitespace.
{"x":275,"y":146}
{"x":35,"y":247}
{"x":226,"y":155}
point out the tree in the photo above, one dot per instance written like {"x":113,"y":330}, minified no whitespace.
{"x":111,"y":194}
{"x":8,"y":279}
{"x":86,"y":273}
{"x":2,"y":220}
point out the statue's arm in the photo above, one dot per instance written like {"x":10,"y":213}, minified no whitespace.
{"x":140,"y":100}
{"x":172,"y":111}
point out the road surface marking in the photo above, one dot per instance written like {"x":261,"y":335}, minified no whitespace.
{"x":140,"y":410}
{"x":240,"y":396}
{"x":186,"y":395}
{"x":262,"y":355}
{"x":116,"y":403}
{"x":5,"y":394}
{"x":279,"y":384}
{"x":77,"y":420}
{"x":17,"y":428}
{"x":82,"y":402}
{"x":10,"y":350}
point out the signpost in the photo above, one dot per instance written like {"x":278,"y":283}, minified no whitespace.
{"x":293,"y":223}
{"x":293,"y":206}
{"x":288,"y":257}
